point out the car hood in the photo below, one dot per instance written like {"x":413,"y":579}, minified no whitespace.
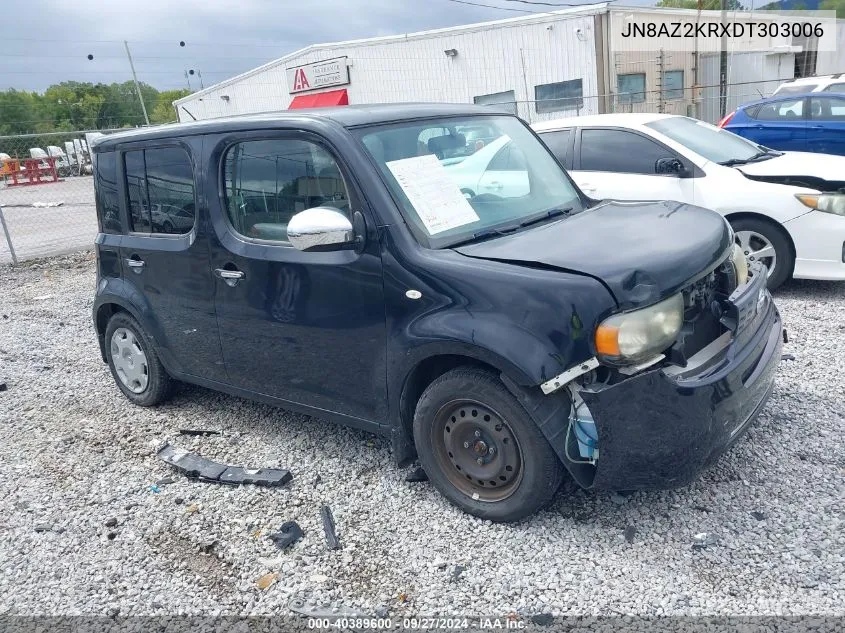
{"x":641,"y":251}
{"x":795,"y":164}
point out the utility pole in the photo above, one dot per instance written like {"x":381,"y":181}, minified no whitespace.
{"x":137,"y":85}
{"x":723,"y":65}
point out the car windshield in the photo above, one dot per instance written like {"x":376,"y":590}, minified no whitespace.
{"x":461,"y":179}
{"x":794,"y":90}
{"x":709,"y":141}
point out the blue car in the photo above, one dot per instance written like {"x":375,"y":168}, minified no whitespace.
{"x":811,"y":122}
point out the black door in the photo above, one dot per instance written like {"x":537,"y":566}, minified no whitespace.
{"x":308,"y":328}
{"x":165,"y":257}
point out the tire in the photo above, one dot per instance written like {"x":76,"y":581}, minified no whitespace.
{"x":467,"y":415}
{"x":146,"y":383}
{"x":760,"y":231}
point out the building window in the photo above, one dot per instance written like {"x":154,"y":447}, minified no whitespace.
{"x":631,"y":88}
{"x":504,"y":100}
{"x":563,"y":95}
{"x":673,"y":84}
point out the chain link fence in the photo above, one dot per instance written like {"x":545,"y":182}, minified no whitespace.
{"x":47,"y":191}
{"x":46,"y":195}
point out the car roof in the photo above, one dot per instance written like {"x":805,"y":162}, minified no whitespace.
{"x":812,"y":80}
{"x":625,"y":119}
{"x":347,"y":116}
{"x":790,"y":97}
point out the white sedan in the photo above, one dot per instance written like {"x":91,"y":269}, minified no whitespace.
{"x":787,"y":208}
{"x":498,"y":168}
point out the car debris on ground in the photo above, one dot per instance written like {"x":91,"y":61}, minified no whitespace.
{"x":288,"y":534}
{"x":196,"y":467}
{"x":703,"y":540}
{"x":199,"y":432}
{"x":332,"y":542}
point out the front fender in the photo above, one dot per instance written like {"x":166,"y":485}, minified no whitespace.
{"x":492,"y":338}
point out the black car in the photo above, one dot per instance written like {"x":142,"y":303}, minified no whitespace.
{"x":333,"y":266}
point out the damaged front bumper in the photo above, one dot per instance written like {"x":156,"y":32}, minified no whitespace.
{"x":660,"y":428}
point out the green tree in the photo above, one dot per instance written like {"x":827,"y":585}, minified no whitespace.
{"x":163,"y":111}
{"x":706,"y":5}
{"x":834,"y":5}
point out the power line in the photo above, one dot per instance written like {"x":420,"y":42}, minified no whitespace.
{"x":562,"y":5}
{"x":558,"y":4}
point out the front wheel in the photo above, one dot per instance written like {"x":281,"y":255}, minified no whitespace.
{"x":762,"y":241}
{"x":480,"y":448}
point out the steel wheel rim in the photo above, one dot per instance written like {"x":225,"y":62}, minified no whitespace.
{"x":129,"y":360}
{"x":757,"y":248}
{"x":477,"y":450}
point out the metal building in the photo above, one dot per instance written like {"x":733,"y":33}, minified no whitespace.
{"x":549,"y":65}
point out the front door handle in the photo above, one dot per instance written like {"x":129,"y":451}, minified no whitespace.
{"x":231,"y":277}
{"x":136,"y":264}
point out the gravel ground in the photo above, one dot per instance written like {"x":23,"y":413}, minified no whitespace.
{"x":84,"y":532}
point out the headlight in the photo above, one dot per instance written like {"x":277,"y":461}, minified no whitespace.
{"x":827,"y":202}
{"x":639,"y":335}
{"x":740,"y":265}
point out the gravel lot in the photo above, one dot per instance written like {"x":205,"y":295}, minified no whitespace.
{"x":77,"y":457}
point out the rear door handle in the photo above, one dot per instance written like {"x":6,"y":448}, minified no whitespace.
{"x":231,"y":277}
{"x":137,"y":265}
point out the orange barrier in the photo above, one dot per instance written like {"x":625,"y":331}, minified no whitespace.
{"x":29,"y":171}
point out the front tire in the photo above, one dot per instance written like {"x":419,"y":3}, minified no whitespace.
{"x":481,"y":449}
{"x":134,"y":362}
{"x":761,"y":240}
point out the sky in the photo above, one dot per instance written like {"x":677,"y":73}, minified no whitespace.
{"x":46,"y":42}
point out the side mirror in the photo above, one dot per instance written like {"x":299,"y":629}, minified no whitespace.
{"x":671,"y":166}
{"x":321,"y":229}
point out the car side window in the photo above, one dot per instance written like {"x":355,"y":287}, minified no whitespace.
{"x":267,"y":182}
{"x":783,"y":111}
{"x":619,"y":151}
{"x":509,"y":158}
{"x":160,"y":189}
{"x":559,"y":142}
{"x":108,"y":202}
{"x":827,"y":109}
{"x":840,"y":87}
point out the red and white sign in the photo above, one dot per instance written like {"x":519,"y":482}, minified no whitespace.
{"x":331,"y":72}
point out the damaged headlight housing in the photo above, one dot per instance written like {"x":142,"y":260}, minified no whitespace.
{"x":740,"y":264}
{"x":639,"y":335}
{"x":827,"y":202}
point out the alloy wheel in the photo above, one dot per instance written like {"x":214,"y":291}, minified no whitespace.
{"x":757,"y":248}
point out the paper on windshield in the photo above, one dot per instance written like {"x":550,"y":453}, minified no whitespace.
{"x":435,"y":196}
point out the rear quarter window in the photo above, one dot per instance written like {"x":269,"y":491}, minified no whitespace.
{"x":108,"y":204}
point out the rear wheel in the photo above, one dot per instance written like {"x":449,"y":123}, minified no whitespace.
{"x":480,"y":448}
{"x":764,"y":242}
{"x":134,"y":362}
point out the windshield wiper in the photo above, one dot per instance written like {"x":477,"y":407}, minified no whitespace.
{"x":551,"y":213}
{"x":483,"y":235}
{"x":750,"y":159}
